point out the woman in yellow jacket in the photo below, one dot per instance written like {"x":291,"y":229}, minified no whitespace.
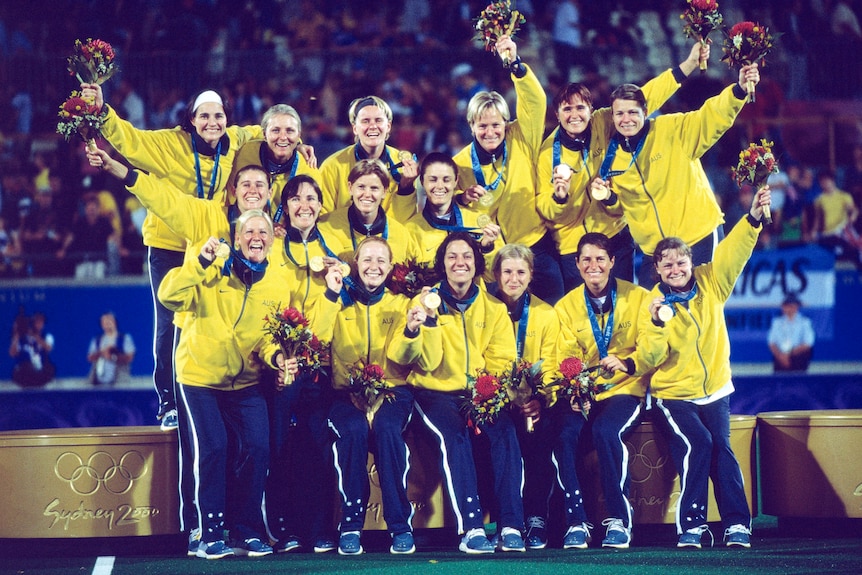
{"x":470,"y":332}
{"x":683,"y":335}
{"x":205,"y":142}
{"x":570,"y":158}
{"x":371,"y":120}
{"x":598,"y":324}
{"x":441,"y":215}
{"x":299,"y":511}
{"x":654,"y":166}
{"x":536,"y":329}
{"x":364,"y":338}
{"x":368,"y":181}
{"x":220,"y":359}
{"x":498,"y":169}
{"x":278,"y":153}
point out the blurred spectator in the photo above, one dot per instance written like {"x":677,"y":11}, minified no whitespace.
{"x":797,"y":29}
{"x":87,"y":241}
{"x":131,"y":105}
{"x":110,"y":352}
{"x":791,"y":337}
{"x":568,"y":40}
{"x":41,"y":235}
{"x":22,"y":109}
{"x":30,"y":347}
{"x":852,"y":180}
{"x":10,"y":249}
{"x":835,"y":214}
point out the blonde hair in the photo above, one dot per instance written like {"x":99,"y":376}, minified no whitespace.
{"x":483,"y":101}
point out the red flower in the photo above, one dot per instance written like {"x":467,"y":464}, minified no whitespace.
{"x":744,"y":28}
{"x":294,"y":316}
{"x":704,"y":4}
{"x":570,"y":367}
{"x":486,"y":387}
{"x":77,"y":106}
{"x":374,"y":371}
{"x":314,"y":343}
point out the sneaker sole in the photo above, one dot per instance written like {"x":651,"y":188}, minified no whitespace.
{"x":516,"y":549}
{"x":736,"y":544}
{"x":464,"y":549}
{"x":360,"y":551}
{"x":542,"y":546}
{"x":692,"y":545}
{"x":289,"y":549}
{"x":615,"y":545}
{"x":579,"y":546}
{"x":219,"y":556}
{"x":393,"y":551}
{"x":244,"y":553}
{"x":323,"y":549}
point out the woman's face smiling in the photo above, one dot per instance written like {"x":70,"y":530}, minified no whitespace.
{"x":489,"y":129}
{"x":373,"y":264}
{"x":282,"y":136}
{"x":574,"y":116}
{"x":367,"y":193}
{"x":303,"y":209}
{"x":439,"y":181}
{"x":210,"y":122}
{"x":254,"y":240}
{"x":371,"y":127}
{"x":460,"y":263}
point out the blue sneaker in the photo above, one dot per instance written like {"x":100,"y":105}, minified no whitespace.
{"x":324,"y":545}
{"x":194,"y":541}
{"x":349,"y":544}
{"x":402,"y":544}
{"x":214,"y":550}
{"x":251,"y":547}
{"x":617,"y":536}
{"x":537,"y":537}
{"x":475,"y":542}
{"x":511,"y":540}
{"x":692,"y":537}
{"x":288,"y":544}
{"x":577,"y":537}
{"x":738,"y":536}
{"x":169,"y":421}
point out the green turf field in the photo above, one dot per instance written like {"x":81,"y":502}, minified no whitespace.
{"x":777,"y":548}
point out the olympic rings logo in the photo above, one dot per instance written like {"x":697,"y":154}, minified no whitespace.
{"x":100,"y":470}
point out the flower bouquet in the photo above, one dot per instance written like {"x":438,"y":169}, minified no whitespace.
{"x":756,"y":163}
{"x":487,"y":398}
{"x":496,"y":20}
{"x":577,"y":382}
{"x":746,"y":43}
{"x":91,"y":62}
{"x":700,"y":18}
{"x":289,"y":329}
{"x":311,"y":357}
{"x":410,"y":278}
{"x":367,"y":384}
{"x":79,"y":116}
{"x":522,"y":383}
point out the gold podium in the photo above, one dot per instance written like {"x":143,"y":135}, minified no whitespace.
{"x":88,"y":482}
{"x":809,"y":463}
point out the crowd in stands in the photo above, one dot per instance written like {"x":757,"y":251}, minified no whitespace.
{"x":56,"y":212}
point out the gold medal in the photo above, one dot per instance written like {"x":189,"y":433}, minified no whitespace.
{"x":483,"y":220}
{"x":564,"y":171}
{"x":345,"y":269}
{"x":316,"y":264}
{"x":600,"y":193}
{"x":665,"y":313}
{"x":404,"y":155}
{"x":222,"y":251}
{"x":487,"y":199}
{"x":431,"y":300}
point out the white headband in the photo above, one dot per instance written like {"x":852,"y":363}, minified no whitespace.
{"x":207,"y":97}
